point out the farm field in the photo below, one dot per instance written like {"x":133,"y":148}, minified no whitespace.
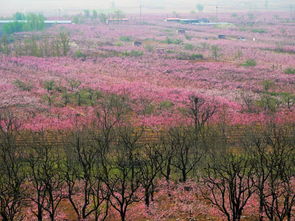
{"x":159,"y":75}
{"x":149,"y":120}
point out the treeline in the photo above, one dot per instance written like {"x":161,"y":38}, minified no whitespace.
{"x":35,"y":45}
{"x":108,"y":165}
{"x":95,"y":15}
{"x":25,"y":22}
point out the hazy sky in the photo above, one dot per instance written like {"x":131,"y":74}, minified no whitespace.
{"x":72,"y":6}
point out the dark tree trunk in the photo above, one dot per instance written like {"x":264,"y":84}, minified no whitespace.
{"x":147,"y":197}
{"x":40,"y":213}
{"x":184,"y":177}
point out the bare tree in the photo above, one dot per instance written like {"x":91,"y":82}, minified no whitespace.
{"x":256,"y":147}
{"x":83,"y":177}
{"x":12,"y":178}
{"x":166,"y":154}
{"x":229,"y":184}
{"x":271,"y":149}
{"x":186,"y":141}
{"x":44,"y":160}
{"x":151,"y":165}
{"x":280,"y":198}
{"x":112,"y":111}
{"x":187,"y":150}
{"x":200,"y":112}
{"x":123,"y":173}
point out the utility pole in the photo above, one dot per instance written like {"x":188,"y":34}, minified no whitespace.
{"x":59,"y":13}
{"x":140,"y":11}
{"x":113,"y":5}
{"x":217,"y":12}
{"x":266,"y":4}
